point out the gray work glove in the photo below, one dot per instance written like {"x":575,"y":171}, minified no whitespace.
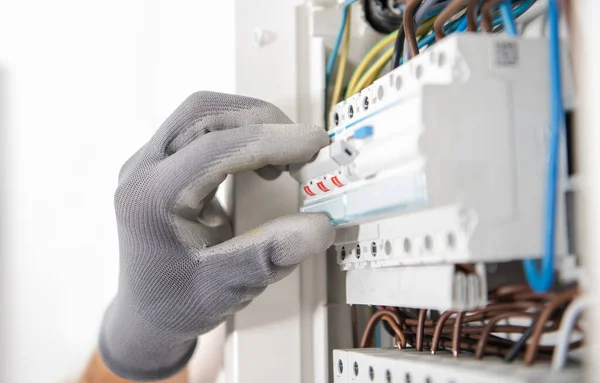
{"x":181,"y":272}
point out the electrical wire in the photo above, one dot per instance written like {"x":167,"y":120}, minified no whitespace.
{"x":511,"y":355}
{"x":373,"y":70}
{"x":541,"y":281}
{"x":398,"y":48}
{"x":408,"y":19}
{"x":334,"y":52}
{"x":377,"y":329}
{"x":391,"y":318}
{"x":456,"y":333}
{"x":486,"y":14}
{"x":423,"y":10}
{"x":354,"y":320}
{"x":373,"y":52}
{"x":569,"y":318}
{"x":508,"y":19}
{"x":421,"y":329}
{"x":559,"y":300}
{"x":438,"y":330}
{"x":487,"y":330}
{"x":460,"y":332}
{"x":425,"y":26}
{"x":339,"y":80}
{"x":452,"y":9}
{"x":471,"y":22}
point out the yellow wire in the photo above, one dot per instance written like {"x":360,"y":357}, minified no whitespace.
{"x":354,"y":86}
{"x":377,"y":48}
{"x":373,"y":71}
{"x":337,"y":89}
{"x":425,"y":26}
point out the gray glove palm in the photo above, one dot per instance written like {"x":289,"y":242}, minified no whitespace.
{"x":181,"y":273}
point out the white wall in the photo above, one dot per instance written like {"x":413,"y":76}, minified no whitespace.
{"x":82,"y":86}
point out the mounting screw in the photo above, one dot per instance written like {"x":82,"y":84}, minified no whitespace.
{"x":263,"y":37}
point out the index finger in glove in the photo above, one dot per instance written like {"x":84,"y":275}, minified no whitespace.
{"x":205,"y":112}
{"x":202,"y":165}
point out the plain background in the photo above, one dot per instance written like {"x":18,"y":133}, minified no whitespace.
{"x":82,"y":86}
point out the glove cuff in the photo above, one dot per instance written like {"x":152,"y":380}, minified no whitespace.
{"x":134,"y":349}
{"x":142,"y":373}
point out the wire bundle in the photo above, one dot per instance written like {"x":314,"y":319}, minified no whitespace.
{"x":476,"y":332}
{"x":424,"y":23}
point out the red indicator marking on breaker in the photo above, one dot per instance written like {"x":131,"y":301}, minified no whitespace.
{"x":336,"y":182}
{"x":322,"y":186}
{"x":308,"y":191}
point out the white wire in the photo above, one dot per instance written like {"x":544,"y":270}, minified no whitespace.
{"x":563,"y":336}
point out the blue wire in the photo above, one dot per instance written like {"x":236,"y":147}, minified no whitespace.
{"x":542,"y":281}
{"x":338,"y":40}
{"x":462,"y":26}
{"x":334,"y":52}
{"x":508,"y":19}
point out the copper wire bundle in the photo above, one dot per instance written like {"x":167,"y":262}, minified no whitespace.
{"x":475,"y":331}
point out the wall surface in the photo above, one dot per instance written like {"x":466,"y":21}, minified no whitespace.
{"x":82,"y":86}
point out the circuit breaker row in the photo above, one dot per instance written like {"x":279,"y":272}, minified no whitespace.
{"x":408,"y":366}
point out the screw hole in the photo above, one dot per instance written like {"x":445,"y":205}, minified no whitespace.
{"x":366,"y":103}
{"x":432,"y":57}
{"x":343,"y":253}
{"x":340,"y":366}
{"x":336,"y":119}
{"x":398,"y":83}
{"x":374,"y":249}
{"x":355,"y":369}
{"x":388,"y":376}
{"x":371,"y":373}
{"x":428,"y":380}
{"x":451,"y":239}
{"x":350,"y":111}
{"x":388,"y":247}
{"x":407,"y":378}
{"x":428,"y":243}
{"x":441,"y":59}
{"x":358,"y":251}
{"x":407,"y":245}
{"x":419,"y":71}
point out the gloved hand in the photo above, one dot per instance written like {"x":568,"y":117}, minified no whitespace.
{"x":181,"y":273}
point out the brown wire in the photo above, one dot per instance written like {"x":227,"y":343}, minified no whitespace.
{"x":464,"y":345}
{"x":410,"y":8}
{"x":472,"y":15}
{"x":510,"y":306}
{"x":456,"y":334}
{"x":391,"y":318}
{"x":438,"y":330}
{"x":505,"y":290}
{"x":421,"y":328}
{"x":490,"y":326}
{"x":467,"y":330}
{"x":486,"y":14}
{"x":354,"y":319}
{"x":538,"y":330}
{"x":451,"y":9}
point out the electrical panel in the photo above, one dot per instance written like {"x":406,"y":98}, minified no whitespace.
{"x":446,"y":177}
{"x":418,"y":173}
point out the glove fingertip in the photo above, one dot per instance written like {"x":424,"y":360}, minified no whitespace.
{"x":317,"y":229}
